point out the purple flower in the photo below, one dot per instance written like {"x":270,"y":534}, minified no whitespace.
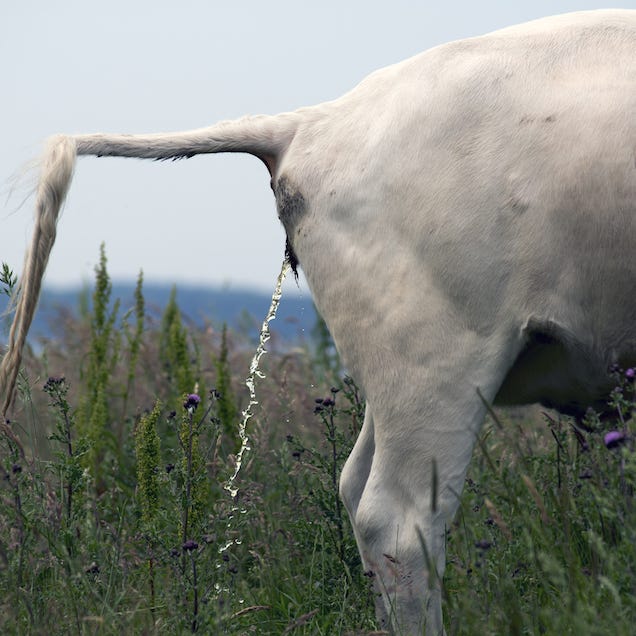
{"x":483,"y":544}
{"x":630,"y":373}
{"x":191,"y":401}
{"x":190,"y":545}
{"x":614,"y":439}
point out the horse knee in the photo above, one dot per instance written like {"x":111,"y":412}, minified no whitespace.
{"x":403,"y":553}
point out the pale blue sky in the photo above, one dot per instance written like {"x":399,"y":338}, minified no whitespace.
{"x":151,"y":65}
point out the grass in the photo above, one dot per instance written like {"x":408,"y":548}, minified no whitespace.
{"x":116,"y":520}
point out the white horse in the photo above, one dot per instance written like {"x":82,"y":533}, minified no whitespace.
{"x":466,"y":221}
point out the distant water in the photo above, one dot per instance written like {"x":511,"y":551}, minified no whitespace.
{"x":242,"y":310}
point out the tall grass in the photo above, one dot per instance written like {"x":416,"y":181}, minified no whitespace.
{"x":545,"y":541}
{"x":116,"y":520}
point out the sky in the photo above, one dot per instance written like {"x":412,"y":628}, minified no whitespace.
{"x":133,"y":66}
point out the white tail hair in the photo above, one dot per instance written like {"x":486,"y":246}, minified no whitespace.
{"x":266,"y":137}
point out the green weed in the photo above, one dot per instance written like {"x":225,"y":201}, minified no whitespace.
{"x":115,"y":518}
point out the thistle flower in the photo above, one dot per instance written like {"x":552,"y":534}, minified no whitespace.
{"x":630,"y":373}
{"x":191,"y":402}
{"x":189,"y":545}
{"x":614,"y":439}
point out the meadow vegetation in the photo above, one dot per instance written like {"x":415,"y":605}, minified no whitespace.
{"x":116,"y":516}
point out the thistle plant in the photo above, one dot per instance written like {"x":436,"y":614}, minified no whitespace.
{"x":326,"y":409}
{"x":14,"y":518}
{"x":327,"y":461}
{"x":192,"y":466}
{"x":70,"y":456}
{"x":195,"y":499}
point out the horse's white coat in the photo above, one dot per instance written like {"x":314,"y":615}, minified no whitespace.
{"x":466,"y":220}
